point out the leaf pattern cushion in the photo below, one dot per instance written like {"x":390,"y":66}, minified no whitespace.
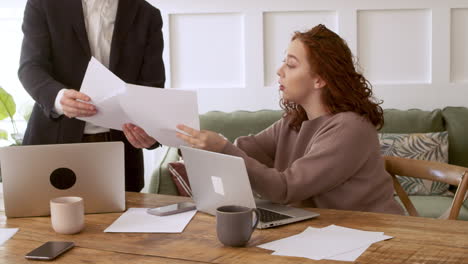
{"x":421,"y":146}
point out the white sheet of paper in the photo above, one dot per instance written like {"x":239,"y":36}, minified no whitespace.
{"x":328,"y":243}
{"x":109,"y":114}
{"x":347,"y":256}
{"x":137,"y":220}
{"x":351,"y":255}
{"x":332,"y":242}
{"x":157,"y":111}
{"x":99,"y":83}
{"x":104,"y":89}
{"x":7,"y":233}
{"x":280,"y":243}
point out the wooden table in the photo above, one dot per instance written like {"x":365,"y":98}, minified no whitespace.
{"x":416,"y":240}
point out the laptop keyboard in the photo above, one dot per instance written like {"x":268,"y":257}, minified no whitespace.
{"x":270,"y":216}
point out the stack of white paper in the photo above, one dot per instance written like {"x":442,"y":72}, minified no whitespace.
{"x":157,"y":111}
{"x":137,"y":220}
{"x":331,"y":242}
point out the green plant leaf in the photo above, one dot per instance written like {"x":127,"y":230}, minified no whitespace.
{"x":18,"y":138}
{"x":27,"y":110}
{"x":7,"y":104}
{"x":3,"y":134}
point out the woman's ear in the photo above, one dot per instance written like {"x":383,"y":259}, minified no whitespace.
{"x":319,"y":83}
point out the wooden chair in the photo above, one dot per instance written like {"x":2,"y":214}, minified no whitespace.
{"x":430,"y":170}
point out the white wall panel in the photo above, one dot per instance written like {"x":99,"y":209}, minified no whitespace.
{"x":278,"y":30}
{"x":207,"y":50}
{"x":459,"y":47}
{"x":394,"y":46}
{"x":415,"y":52}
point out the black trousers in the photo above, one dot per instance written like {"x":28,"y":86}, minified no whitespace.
{"x":134,"y":166}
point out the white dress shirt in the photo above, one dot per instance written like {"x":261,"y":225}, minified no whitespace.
{"x":99,"y":18}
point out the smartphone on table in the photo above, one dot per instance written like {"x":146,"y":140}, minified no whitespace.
{"x":172,"y":209}
{"x":50,"y":250}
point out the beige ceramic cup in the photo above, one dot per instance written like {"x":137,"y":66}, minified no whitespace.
{"x":67,"y":214}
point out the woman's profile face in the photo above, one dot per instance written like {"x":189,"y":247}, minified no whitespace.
{"x":295,"y":78}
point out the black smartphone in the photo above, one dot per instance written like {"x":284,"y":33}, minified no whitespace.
{"x":172,"y":209}
{"x":50,"y":250}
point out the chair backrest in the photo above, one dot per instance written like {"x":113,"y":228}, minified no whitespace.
{"x":430,"y":170}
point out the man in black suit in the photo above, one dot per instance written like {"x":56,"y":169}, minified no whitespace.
{"x":59,"y":39}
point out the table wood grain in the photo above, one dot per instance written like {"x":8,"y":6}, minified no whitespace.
{"x":416,"y":239}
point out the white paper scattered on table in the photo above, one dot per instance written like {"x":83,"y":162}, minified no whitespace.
{"x":331,"y":242}
{"x":6,"y":233}
{"x":137,"y":220}
{"x":157,"y":111}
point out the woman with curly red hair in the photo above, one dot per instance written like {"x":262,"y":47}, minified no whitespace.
{"x":324,"y":152}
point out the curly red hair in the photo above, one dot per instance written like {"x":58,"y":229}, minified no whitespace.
{"x":346,"y":90}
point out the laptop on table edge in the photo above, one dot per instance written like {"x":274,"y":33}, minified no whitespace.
{"x":32,"y":175}
{"x":218,"y":179}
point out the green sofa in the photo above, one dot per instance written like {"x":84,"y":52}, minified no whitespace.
{"x":239,"y":123}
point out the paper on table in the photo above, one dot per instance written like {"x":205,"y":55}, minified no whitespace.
{"x":280,"y":243}
{"x":157,"y":111}
{"x":351,"y":255}
{"x":137,"y":220}
{"x":6,"y":233}
{"x":332,"y":242}
{"x":347,"y":256}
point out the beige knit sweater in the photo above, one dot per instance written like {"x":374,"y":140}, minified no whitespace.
{"x":333,"y":161}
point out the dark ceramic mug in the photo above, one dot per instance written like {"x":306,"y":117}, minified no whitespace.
{"x":234,"y":224}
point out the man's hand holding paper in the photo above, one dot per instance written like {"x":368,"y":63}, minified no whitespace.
{"x":137,"y":136}
{"x":76,"y":104}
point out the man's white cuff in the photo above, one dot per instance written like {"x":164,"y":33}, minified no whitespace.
{"x":57,"y":106}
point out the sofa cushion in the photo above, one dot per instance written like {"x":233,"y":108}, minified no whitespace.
{"x":239,"y":123}
{"x":161,"y":180}
{"x":242,"y":123}
{"x":434,"y":206}
{"x":412,"y":121}
{"x":456,"y":121}
{"x":420,"y":146}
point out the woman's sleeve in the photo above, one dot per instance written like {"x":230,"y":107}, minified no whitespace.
{"x":262,"y":146}
{"x":335,"y":155}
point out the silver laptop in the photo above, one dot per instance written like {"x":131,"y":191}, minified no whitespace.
{"x":218,"y":179}
{"x":32,"y":175}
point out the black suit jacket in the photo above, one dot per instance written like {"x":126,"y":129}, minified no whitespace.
{"x":55,"y":54}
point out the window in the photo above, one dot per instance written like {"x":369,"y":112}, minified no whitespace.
{"x":11,"y":17}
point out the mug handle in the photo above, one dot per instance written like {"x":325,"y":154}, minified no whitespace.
{"x":257,"y":218}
